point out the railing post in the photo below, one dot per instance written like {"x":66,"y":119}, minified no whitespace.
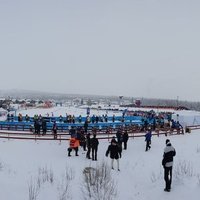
{"x":60,"y":139}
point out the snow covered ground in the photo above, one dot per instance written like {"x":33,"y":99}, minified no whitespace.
{"x":141,"y":175}
{"x":70,"y":110}
{"x":41,"y":166}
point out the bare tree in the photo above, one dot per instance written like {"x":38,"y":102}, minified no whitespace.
{"x":33,"y":190}
{"x":98,"y":183}
{"x":64,"y":193}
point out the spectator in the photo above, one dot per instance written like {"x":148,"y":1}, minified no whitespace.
{"x":94,"y":145}
{"x":72,"y":132}
{"x":73,"y":145}
{"x":148,"y":139}
{"x":88,"y":143}
{"x":125,"y":139}
{"x":82,"y":139}
{"x":167,"y":162}
{"x":27,"y":118}
{"x":54,"y":130}
{"x":44,"y":126}
{"x":8,"y":117}
{"x":86,"y":126}
{"x":115,"y":153}
{"x":80,"y":119}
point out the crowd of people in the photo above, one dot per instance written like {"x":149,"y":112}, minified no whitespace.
{"x":146,"y":116}
{"x":88,"y":140}
{"x":61,"y":119}
{"x":114,"y":149}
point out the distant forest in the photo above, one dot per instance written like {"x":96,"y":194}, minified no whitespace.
{"x":168,"y":102}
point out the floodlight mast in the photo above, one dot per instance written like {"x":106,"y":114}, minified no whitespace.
{"x":120,"y":100}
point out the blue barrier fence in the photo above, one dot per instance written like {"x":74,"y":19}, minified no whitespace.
{"x":63,"y":125}
{"x":64,"y":119}
{"x":27,"y":126}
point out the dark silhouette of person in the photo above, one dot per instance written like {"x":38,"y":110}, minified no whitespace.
{"x":94,"y":145}
{"x":167,"y":162}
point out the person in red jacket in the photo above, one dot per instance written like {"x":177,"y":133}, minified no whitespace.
{"x":73,"y":144}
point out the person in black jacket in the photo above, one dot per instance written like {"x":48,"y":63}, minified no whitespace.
{"x":119,"y":136}
{"x":86,"y":126}
{"x":88,"y":144}
{"x":72,"y":132}
{"x":94,"y":145}
{"x":44,"y":126}
{"x":125,"y":139}
{"x":54,"y":130}
{"x":115,"y":153}
{"x":167,"y":162}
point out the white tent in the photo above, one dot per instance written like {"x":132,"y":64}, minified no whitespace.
{"x":3,"y":114}
{"x":187,"y":118}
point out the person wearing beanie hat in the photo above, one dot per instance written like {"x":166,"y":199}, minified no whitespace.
{"x":115,"y":153}
{"x":167,"y":141}
{"x":113,"y":140}
{"x":167,"y":162}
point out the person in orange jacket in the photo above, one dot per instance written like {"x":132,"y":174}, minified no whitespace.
{"x":73,"y":144}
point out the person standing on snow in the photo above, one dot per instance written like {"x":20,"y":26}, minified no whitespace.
{"x":54,"y":130}
{"x":167,"y":162}
{"x":148,"y":139}
{"x":94,"y":145}
{"x":88,"y":144}
{"x":115,"y":153}
{"x":44,"y":126}
{"x":125,"y":139}
{"x":86,"y":126}
{"x":73,"y":144}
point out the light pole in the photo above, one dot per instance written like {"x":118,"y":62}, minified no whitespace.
{"x":120,"y":100}
{"x":177,"y":103}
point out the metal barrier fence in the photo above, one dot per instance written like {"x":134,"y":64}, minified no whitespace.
{"x":133,"y":131}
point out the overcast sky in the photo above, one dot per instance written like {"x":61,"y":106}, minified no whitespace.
{"x":136,"y":48}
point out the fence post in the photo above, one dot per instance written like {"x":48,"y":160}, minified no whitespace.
{"x":60,"y":139}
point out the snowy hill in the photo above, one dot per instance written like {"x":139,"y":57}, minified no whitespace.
{"x":25,"y":163}
{"x":43,"y":169}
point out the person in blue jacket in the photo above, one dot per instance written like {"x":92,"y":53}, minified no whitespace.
{"x":148,"y":139}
